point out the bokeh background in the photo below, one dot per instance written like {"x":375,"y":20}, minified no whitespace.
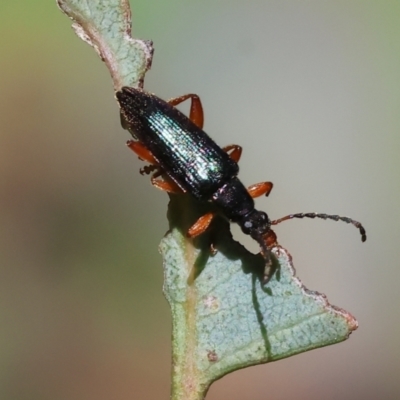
{"x":310,"y":89}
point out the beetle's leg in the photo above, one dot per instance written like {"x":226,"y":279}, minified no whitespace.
{"x":258,"y":189}
{"x":142,"y":152}
{"x":235,"y":153}
{"x":148,"y":169}
{"x":144,"y":155}
{"x":196,"y":114}
{"x":201,"y":225}
{"x":325,"y":216}
{"x":168,"y":186}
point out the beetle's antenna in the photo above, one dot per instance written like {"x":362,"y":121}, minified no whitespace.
{"x":325,"y":216}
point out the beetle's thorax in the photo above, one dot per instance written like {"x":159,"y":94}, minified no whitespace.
{"x":237,"y":205}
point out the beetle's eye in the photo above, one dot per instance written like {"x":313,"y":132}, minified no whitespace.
{"x":247,"y":227}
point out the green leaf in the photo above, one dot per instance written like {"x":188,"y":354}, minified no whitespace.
{"x":106,"y":26}
{"x":223,"y":317}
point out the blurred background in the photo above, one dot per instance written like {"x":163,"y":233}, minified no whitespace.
{"x":310,"y":89}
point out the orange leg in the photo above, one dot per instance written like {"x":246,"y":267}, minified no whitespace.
{"x":196,"y":114}
{"x":143,"y":153}
{"x":201,"y":225}
{"x":236,"y":151}
{"x":258,"y":189}
{"x":168,"y":186}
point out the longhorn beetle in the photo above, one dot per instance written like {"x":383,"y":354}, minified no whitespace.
{"x":177,"y":146}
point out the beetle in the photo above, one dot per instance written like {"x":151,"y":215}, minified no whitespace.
{"x":176,"y":146}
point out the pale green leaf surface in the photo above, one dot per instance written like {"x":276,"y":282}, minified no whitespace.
{"x":106,"y":25}
{"x":223,"y":317}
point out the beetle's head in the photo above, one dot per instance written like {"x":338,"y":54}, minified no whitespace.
{"x":258,"y":226}
{"x":255,"y":224}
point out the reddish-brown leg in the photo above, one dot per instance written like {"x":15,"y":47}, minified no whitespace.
{"x":196,"y":114}
{"x":258,"y":189}
{"x":142,"y":152}
{"x":168,"y":186}
{"x":201,"y":225}
{"x":235,"y":153}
